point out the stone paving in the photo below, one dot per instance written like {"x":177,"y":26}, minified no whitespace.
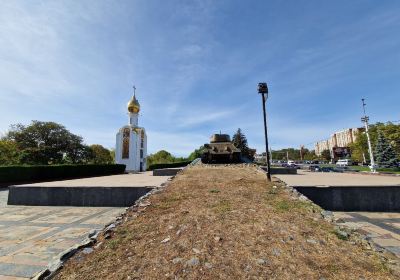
{"x":383,"y":229}
{"x":32,"y":237}
{"x":307,"y":178}
{"x":142,"y":179}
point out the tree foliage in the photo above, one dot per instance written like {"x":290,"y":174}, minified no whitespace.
{"x":196,"y":153}
{"x":293,"y":154}
{"x":385,"y":155}
{"x":326,"y":155}
{"x":240,"y":142}
{"x":47,"y":143}
{"x":163,"y":157}
{"x":100,"y":155}
{"x":390,"y":131}
{"x":9,"y":153}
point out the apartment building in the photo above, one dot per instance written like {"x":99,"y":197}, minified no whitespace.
{"x":339,"y":139}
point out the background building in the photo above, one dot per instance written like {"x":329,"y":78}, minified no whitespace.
{"x":341,"y":139}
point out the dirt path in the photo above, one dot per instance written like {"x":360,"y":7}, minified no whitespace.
{"x":226,"y":223}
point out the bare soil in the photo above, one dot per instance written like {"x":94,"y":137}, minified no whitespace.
{"x":226,"y":222}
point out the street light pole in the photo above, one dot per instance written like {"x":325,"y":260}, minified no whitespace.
{"x":365,"y":120}
{"x":263,"y":90}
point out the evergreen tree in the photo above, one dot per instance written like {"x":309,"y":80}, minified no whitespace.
{"x":385,"y":155}
{"x":240,"y":142}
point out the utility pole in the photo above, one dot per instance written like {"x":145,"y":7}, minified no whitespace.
{"x":263,"y":90}
{"x":301,"y":152}
{"x":365,"y":120}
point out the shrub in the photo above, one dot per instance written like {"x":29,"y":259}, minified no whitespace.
{"x":26,"y":173}
{"x":168,"y":165}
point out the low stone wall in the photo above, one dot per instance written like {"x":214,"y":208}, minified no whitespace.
{"x":354,"y":198}
{"x":75,"y":196}
{"x":280,"y":170}
{"x":166,"y":171}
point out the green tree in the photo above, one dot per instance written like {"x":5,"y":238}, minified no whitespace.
{"x":163,"y":157}
{"x":240,"y":142}
{"x":160,"y":157}
{"x":9,"y":154}
{"x":389,"y":130}
{"x":112,"y":155}
{"x":196,"y":153}
{"x":100,"y":155}
{"x":385,"y":155}
{"x":359,"y":149}
{"x":293,"y":154}
{"x":309,"y":155}
{"x":392,"y":134}
{"x":47,"y":143}
{"x":326,"y":154}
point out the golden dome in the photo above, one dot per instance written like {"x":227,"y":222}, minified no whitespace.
{"x":133,"y":105}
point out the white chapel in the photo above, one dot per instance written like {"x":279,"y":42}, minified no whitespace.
{"x":131,"y":145}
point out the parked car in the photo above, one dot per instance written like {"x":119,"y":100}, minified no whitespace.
{"x":344,"y":162}
{"x":314,"y":168}
{"x":292,"y":164}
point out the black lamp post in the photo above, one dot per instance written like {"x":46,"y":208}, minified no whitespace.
{"x":263,"y":90}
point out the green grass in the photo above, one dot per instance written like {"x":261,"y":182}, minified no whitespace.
{"x":359,"y":168}
{"x":222,"y":207}
{"x":366,"y":168}
{"x":391,"y":170}
{"x":113,"y":243}
{"x":288,"y":205}
{"x":340,"y":236}
{"x":214,"y":191}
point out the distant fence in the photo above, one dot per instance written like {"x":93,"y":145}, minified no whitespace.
{"x":29,"y":173}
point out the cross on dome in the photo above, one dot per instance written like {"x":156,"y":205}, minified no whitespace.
{"x":133,"y":104}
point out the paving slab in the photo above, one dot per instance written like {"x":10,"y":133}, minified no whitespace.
{"x":141,"y":179}
{"x":31,"y":237}
{"x":381,"y":229}
{"x":307,"y":178}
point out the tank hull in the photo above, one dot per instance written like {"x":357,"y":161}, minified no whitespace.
{"x":221,"y":158}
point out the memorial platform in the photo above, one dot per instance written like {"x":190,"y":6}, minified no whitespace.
{"x":108,"y":191}
{"x":348,"y":191}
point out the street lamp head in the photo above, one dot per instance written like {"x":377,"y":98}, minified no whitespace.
{"x":262,"y":88}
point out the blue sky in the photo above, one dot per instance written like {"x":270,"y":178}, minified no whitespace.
{"x":196,"y":65}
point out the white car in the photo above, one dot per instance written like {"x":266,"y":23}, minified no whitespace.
{"x":344,"y":162}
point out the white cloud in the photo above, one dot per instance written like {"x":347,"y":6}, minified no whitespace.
{"x":200,"y":117}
